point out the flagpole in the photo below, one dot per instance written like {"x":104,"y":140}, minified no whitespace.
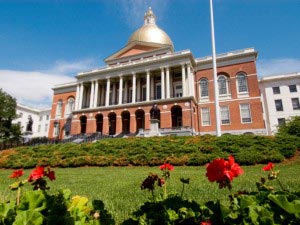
{"x":216,"y":86}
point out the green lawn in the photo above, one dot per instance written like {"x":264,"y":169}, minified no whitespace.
{"x":119,"y":187}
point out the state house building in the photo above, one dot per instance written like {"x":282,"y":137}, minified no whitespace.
{"x":117,"y":98}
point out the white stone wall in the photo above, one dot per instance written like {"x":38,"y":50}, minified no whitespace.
{"x":40,"y":118}
{"x":282,"y":81}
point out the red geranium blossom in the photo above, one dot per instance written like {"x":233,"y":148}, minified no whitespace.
{"x":223,"y":171}
{"x":17,"y":173}
{"x":206,"y":223}
{"x":50,"y":174}
{"x":39,"y":172}
{"x":166,"y":166}
{"x":268,"y":167}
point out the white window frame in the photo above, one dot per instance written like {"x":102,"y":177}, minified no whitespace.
{"x":59,"y":107}
{"x":244,"y":111}
{"x":177,"y":92}
{"x":69,"y":108}
{"x":200,"y":88}
{"x":222,"y":110}
{"x":208,"y":121}
{"x":243,"y":93}
{"x":227,"y":86}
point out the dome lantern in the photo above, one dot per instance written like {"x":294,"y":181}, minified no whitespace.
{"x":150,"y":32}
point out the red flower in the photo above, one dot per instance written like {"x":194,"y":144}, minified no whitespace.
{"x":223,"y":171}
{"x":17,"y":173}
{"x":50,"y":174}
{"x":37,"y":173}
{"x":268,"y":167}
{"x":206,"y":223}
{"x":166,"y":166}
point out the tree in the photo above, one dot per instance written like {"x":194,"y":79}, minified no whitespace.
{"x":7,"y":115}
{"x":291,"y":127}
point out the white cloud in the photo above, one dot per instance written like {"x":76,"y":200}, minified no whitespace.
{"x":31,"y":88}
{"x":134,"y":10}
{"x":34,"y":88}
{"x":277,"y":66}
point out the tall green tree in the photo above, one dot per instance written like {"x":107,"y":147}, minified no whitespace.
{"x":291,"y":127}
{"x":8,"y":107}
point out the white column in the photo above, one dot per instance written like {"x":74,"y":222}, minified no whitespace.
{"x":133,"y":87}
{"x":126,"y":92}
{"x":183,"y":80}
{"x":77,"y":96}
{"x":80,"y":96}
{"x":162,"y":79}
{"x":168,"y":82}
{"x":148,"y":86}
{"x":120,"y":90}
{"x":190,"y":90}
{"x":92,"y":95}
{"x":114,"y":90}
{"x":138,"y":90}
{"x":107,"y":92}
{"x":96,"y":94}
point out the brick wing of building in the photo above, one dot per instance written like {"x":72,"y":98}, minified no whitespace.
{"x":117,"y":99}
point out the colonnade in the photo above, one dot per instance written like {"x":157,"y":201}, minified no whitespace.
{"x":131,"y":88}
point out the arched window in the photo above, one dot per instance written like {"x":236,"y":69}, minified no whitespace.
{"x":203,"y":87}
{"x":69,"y":106}
{"x":223,"y":82}
{"x":242,"y":82}
{"x":59,"y":109}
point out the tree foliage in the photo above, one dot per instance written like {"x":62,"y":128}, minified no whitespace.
{"x":7,"y":115}
{"x":292,"y":127}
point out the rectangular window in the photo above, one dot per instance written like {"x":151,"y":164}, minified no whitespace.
{"x":41,"y":118}
{"x":245,"y":113}
{"x":39,"y":128}
{"x":130,"y":95}
{"x":178,"y":90}
{"x":144,"y":90}
{"x":20,"y":115}
{"x":205,"y":115}
{"x":47,"y":117}
{"x":158,"y":91}
{"x":293,"y":88}
{"x":278,"y":105}
{"x":276,"y":90}
{"x":46,"y":127}
{"x":281,"y":121}
{"x":295,"y":103}
{"x":225,"y":117}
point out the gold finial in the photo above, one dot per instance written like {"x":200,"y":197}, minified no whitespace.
{"x":149,"y":17}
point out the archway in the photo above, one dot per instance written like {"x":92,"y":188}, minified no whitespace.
{"x":140,"y":119}
{"x":112,"y":123}
{"x":99,"y":123}
{"x":176,"y":114}
{"x":125,"y":122}
{"x":83,"y":120}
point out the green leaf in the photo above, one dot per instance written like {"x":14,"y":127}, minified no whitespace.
{"x":33,"y":200}
{"x":172,"y":215}
{"x":282,"y":201}
{"x":28,"y":218}
{"x":7,"y":212}
{"x":247,"y":200}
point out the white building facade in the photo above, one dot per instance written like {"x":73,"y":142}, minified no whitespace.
{"x":40,"y":119}
{"x":281,"y":99}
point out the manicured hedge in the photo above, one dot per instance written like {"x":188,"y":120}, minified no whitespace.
{"x":196,"y":150}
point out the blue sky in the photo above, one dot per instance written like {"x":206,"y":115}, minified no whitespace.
{"x":43,"y":42}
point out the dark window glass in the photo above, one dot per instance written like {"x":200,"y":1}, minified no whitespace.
{"x":293,"y":88}
{"x":276,"y":90}
{"x":295,"y":103}
{"x":281,"y":121}
{"x":278,"y":105}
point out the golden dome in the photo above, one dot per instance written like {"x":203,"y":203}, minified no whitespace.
{"x":150,"y":32}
